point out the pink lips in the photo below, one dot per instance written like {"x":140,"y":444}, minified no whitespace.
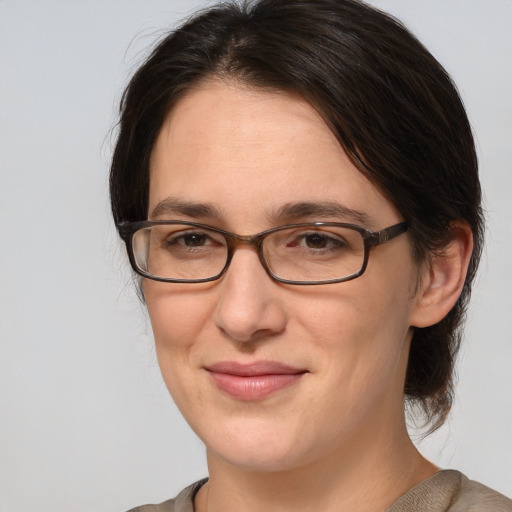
{"x":253,"y":381}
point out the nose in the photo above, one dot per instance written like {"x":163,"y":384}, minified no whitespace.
{"x":249,"y":307}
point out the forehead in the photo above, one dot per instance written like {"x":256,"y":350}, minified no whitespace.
{"x":248,"y":153}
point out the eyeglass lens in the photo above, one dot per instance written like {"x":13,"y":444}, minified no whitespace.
{"x":306,"y":253}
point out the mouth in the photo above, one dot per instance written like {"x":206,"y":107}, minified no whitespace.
{"x":253,"y":381}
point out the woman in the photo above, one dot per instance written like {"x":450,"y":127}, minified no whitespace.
{"x":297,"y":185}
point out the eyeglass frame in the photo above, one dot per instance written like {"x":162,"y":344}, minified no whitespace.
{"x":233,"y":240}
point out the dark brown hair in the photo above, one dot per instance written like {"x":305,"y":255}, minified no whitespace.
{"x":392,"y":106}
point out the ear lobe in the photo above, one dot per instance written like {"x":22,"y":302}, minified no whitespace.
{"x":443,"y":277}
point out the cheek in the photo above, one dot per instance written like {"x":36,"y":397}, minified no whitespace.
{"x":357,"y":317}
{"x":177,"y":312}
{"x":177,"y":318}
{"x":363,"y":336}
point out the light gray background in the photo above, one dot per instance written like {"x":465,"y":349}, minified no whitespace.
{"x":85,"y":422}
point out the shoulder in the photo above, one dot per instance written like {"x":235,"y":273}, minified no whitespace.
{"x":184,"y":502}
{"x":474,"y":496}
{"x":451,"y":491}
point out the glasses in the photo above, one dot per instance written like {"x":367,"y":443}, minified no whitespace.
{"x":300,"y":254}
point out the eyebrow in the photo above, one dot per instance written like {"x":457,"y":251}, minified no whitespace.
{"x":289,"y":212}
{"x":323,"y":210}
{"x":173,"y":206}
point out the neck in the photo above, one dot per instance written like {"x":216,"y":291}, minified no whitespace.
{"x":363,"y":478}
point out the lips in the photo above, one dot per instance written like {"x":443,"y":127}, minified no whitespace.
{"x":253,"y":381}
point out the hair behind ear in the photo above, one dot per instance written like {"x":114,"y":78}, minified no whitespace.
{"x":429,"y":381}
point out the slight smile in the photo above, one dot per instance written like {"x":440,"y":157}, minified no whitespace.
{"x":253,"y":381}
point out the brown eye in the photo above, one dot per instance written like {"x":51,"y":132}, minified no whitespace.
{"x":316,"y":241}
{"x":193,"y":239}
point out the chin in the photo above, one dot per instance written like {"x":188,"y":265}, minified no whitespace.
{"x":263,"y":449}
{"x":259,"y":460}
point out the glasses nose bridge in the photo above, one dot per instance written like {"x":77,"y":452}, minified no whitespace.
{"x":235,"y":240}
{"x":256,"y":241}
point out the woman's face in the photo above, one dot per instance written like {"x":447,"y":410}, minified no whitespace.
{"x":333,"y":356}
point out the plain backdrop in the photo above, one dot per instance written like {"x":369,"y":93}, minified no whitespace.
{"x":85,"y":421}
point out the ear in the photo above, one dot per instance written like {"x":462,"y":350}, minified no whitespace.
{"x":443,"y":276}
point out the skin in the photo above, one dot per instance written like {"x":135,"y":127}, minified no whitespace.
{"x":247,"y":153}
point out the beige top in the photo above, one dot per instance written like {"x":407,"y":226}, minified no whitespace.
{"x":446,"y":491}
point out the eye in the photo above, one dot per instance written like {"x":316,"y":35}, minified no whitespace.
{"x":192,"y":239}
{"x":317,"y":240}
